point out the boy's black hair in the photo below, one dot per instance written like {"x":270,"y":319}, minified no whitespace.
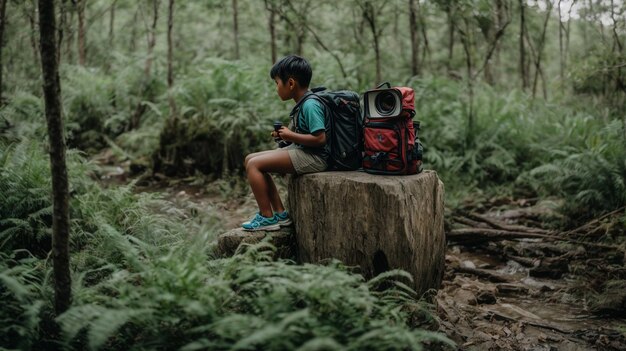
{"x":295,"y":67}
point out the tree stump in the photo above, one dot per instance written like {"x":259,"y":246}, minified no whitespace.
{"x":376,"y":222}
{"x":283,"y":240}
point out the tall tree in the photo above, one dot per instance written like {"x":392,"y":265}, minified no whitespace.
{"x":61,"y":28}
{"x":317,"y":38}
{"x":82,"y":48}
{"x":522,"y":46}
{"x":236,"y":28}
{"x":31,"y":14}
{"x":414,"y":38}
{"x":270,"y":6}
{"x":467,"y":13}
{"x":3,"y":8}
{"x":449,"y":7}
{"x":170,"y":59}
{"x":141,"y":108}
{"x":371,"y":14}
{"x":538,"y":51}
{"x":60,"y":187}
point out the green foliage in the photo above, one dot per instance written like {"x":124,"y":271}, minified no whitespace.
{"x":144,"y":276}
{"x":232,"y":113}
{"x":188,"y":300}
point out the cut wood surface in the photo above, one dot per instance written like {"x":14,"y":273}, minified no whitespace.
{"x":374,"y":222}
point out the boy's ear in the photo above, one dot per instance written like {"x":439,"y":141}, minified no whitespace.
{"x":291,"y":83}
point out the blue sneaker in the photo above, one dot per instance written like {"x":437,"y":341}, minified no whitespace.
{"x":283,"y":218}
{"x":261,"y":223}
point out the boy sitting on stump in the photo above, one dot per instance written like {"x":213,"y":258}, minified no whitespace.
{"x":306,"y":154}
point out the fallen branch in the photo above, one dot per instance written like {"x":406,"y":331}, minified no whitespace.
{"x":500,"y":225}
{"x":479,"y":235}
{"x":483,"y":273}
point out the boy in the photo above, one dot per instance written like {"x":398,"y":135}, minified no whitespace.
{"x":306,"y":154}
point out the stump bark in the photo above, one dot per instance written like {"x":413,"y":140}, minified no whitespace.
{"x":375,"y":222}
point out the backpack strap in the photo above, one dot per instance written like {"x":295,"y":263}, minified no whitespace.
{"x":295,"y":111}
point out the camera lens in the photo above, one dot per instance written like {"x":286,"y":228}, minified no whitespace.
{"x":385,"y":103}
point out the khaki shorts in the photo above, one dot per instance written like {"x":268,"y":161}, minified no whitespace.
{"x":304,"y":162}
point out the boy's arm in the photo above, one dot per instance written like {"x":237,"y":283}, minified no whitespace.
{"x":317,"y":139}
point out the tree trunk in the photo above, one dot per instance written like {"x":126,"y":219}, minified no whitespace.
{"x":540,"y":52}
{"x":271,"y":22}
{"x":450,"y":36}
{"x":3,"y":7}
{"x":414,"y":38}
{"x":426,"y":46}
{"x":112,"y":26}
{"x":61,"y":28}
{"x":561,"y":50}
{"x":398,"y":223}
{"x":236,"y":28}
{"x":60,"y":194}
{"x":135,"y":120}
{"x":170,"y":70}
{"x":306,"y":26}
{"x":151,"y":39}
{"x":82,"y":50}
{"x":133,"y":31}
{"x":69,"y":43}
{"x":33,"y":31}
{"x":522,"y":47}
{"x":467,"y":42}
{"x":370,"y":14}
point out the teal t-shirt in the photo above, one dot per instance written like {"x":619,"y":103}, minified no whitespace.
{"x":310,"y":121}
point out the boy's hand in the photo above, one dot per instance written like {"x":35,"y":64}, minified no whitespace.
{"x":285,"y":134}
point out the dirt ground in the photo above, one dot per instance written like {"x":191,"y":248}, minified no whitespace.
{"x":508,"y":285}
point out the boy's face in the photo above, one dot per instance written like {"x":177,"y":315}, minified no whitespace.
{"x":285,"y":89}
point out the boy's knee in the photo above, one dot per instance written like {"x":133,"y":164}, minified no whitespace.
{"x":251,"y":163}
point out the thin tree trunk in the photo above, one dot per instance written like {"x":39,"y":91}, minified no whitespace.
{"x":561,"y":49}
{"x":236,"y":28}
{"x":271,"y":23}
{"x":414,"y":38}
{"x":426,"y":46}
{"x":69,"y":43}
{"x":370,"y":15}
{"x":316,"y":37}
{"x":567,"y":32}
{"x":3,"y":7}
{"x":33,"y":31}
{"x":466,"y":41}
{"x":141,"y":108}
{"x":522,"y":48}
{"x":60,"y":187}
{"x":112,"y":26}
{"x":82,"y":53}
{"x":170,"y":70}
{"x":450,"y":36}
{"x":540,"y":52}
{"x":152,"y":39}
{"x":501,"y":7}
{"x":133,"y":31}
{"x":61,"y":28}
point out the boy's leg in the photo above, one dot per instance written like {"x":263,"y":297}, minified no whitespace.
{"x":253,"y":155}
{"x":277,"y":204}
{"x":277,"y":162}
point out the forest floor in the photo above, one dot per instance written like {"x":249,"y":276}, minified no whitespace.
{"x":508,"y":285}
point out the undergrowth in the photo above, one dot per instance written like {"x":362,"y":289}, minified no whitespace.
{"x":145,"y":276}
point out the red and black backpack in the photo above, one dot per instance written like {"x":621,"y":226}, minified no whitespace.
{"x":391,"y":142}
